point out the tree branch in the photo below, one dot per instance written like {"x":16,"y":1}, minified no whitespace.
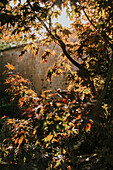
{"x":103,"y":33}
{"x":103,"y":93}
{"x":106,"y":38}
{"x":110,"y":72}
{"x":63,"y":47}
{"x":88,"y":18}
{"x":56,"y":37}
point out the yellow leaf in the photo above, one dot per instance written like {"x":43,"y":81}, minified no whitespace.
{"x":37,"y":142}
{"x":24,"y":159}
{"x":47,"y":145}
{"x":64,"y":151}
{"x":15,"y":1}
{"x":1,"y":4}
{"x":27,"y":47}
{"x":48,"y":138}
{"x":34,"y":131}
{"x":54,"y":140}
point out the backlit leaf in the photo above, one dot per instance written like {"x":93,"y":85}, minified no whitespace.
{"x":48,"y":138}
{"x":10,"y":67}
{"x":15,"y":1}
{"x":20,"y":140}
{"x":88,"y":127}
{"x":16,"y":140}
{"x":34,"y":131}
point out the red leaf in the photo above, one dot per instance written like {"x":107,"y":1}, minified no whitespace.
{"x":103,"y":49}
{"x":64,"y":101}
{"x":88,"y":127}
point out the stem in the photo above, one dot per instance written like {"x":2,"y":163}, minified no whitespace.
{"x":62,"y":45}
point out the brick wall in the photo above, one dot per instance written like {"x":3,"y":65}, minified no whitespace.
{"x":31,"y":68}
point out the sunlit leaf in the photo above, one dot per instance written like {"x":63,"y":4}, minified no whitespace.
{"x":88,"y":127}
{"x":20,"y":140}
{"x":54,"y":140}
{"x":21,"y":103}
{"x":16,"y":140}
{"x":34,"y":131}
{"x":48,"y":138}
{"x":10,"y":67}
{"x":15,"y":1}
{"x":3,"y":117}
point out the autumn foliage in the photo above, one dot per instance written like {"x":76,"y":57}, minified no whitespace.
{"x":61,"y":130}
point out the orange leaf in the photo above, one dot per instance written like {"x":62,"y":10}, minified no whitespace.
{"x":88,"y":127}
{"x":3,"y":117}
{"x":34,"y":131}
{"x":21,"y":103}
{"x":16,"y":140}
{"x":26,"y":140}
{"x":15,"y":1}
{"x":69,"y":167}
{"x":22,"y":131}
{"x":15,"y":136}
{"x":10,"y":67}
{"x":64,"y":101}
{"x":91,"y":120}
{"x":78,"y":117}
{"x":54,"y":140}
{"x":20,"y":140}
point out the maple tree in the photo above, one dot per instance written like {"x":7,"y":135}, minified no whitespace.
{"x":75,"y":131}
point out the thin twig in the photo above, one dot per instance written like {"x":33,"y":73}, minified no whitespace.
{"x":88,"y":18}
{"x":103,"y":33}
